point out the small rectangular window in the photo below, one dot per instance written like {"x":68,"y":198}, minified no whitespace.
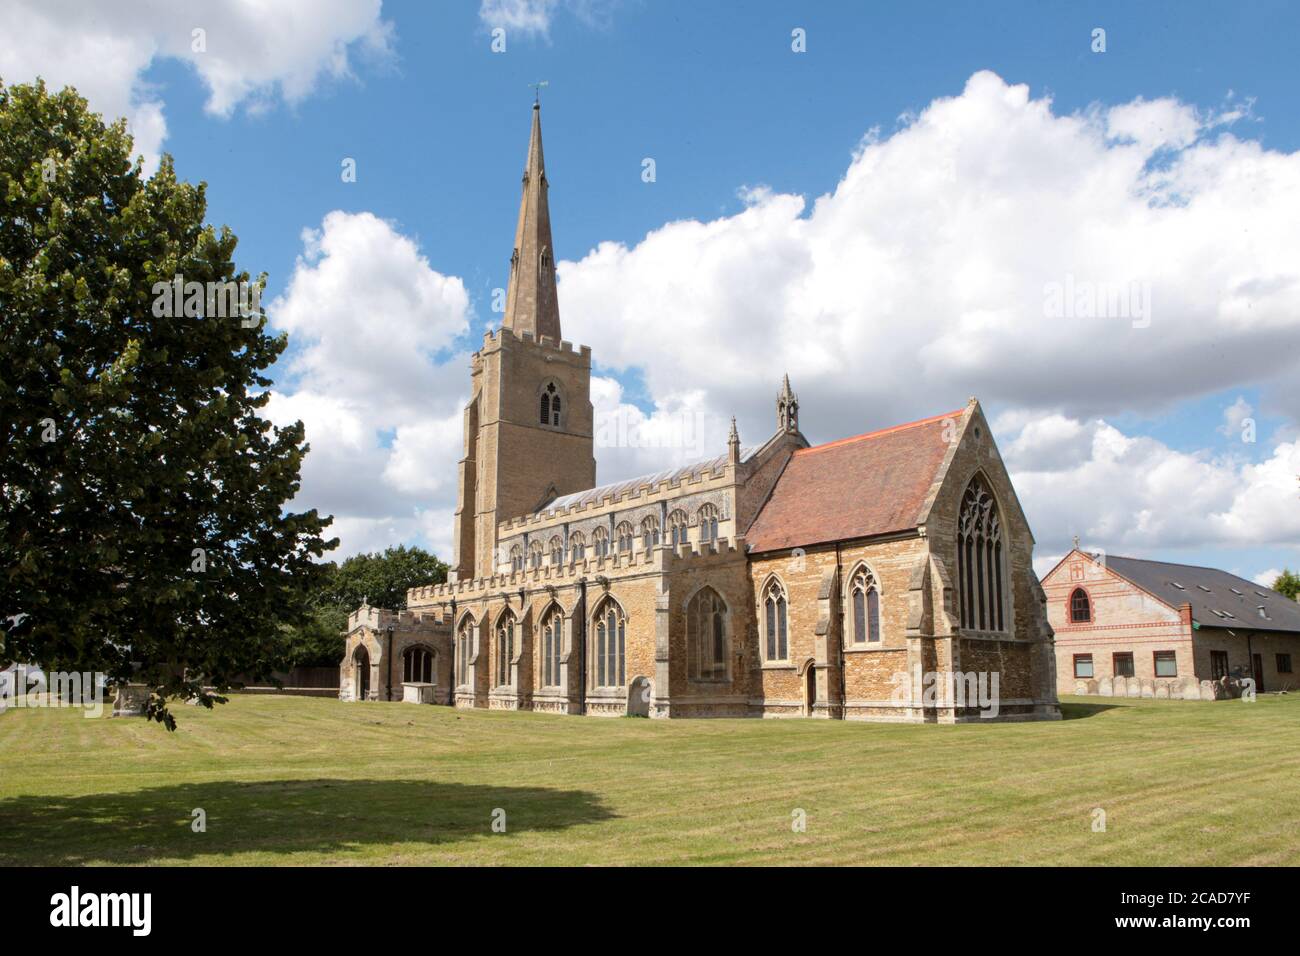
{"x":1123,"y":664}
{"x":1166,"y":664}
{"x":1284,"y":663}
{"x":1083,"y":666}
{"x":1218,"y":664}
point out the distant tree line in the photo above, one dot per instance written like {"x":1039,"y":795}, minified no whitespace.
{"x":380,"y":579}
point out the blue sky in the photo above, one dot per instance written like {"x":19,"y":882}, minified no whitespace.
{"x":716,"y":98}
{"x":741,"y":129}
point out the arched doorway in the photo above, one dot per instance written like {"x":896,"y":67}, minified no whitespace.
{"x":809,"y":687}
{"x":361,"y":663}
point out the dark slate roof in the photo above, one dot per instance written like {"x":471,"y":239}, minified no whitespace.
{"x":695,"y":469}
{"x":1218,"y":599}
{"x":853,"y":488}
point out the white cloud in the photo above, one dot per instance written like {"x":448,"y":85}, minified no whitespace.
{"x":372,"y":329}
{"x":1233,"y":417}
{"x":922,"y":278}
{"x":534,"y":17}
{"x":256,"y":51}
{"x":918,"y":281}
{"x":1267,"y":578}
{"x":1127,"y":494}
{"x":527,"y":16}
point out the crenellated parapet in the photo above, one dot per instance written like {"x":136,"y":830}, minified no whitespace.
{"x":660,"y":559}
{"x":630,"y":495}
{"x":379,"y":619}
{"x":505,"y":339}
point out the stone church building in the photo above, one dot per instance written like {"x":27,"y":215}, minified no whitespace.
{"x":881,"y":576}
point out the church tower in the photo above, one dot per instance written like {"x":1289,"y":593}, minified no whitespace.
{"x":529,"y":423}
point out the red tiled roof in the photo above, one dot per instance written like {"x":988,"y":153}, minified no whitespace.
{"x":853,"y":488}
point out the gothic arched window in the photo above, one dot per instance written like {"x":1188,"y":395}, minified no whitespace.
{"x":981,"y":561}
{"x":677,"y":527}
{"x":417,"y":665}
{"x":516,"y":558}
{"x":864,"y":606}
{"x":552,"y":641}
{"x":556,"y":550}
{"x":549,"y":406}
{"x":464,"y":647}
{"x":706,"y":636}
{"x":577,"y":546}
{"x":708,"y":521}
{"x":649,"y":533}
{"x":600,"y":542}
{"x":535,"y":555}
{"x":776,"y":643}
{"x":505,"y":647}
{"x":1080,"y":607}
{"x":608,"y":637}
{"x":625,"y":538}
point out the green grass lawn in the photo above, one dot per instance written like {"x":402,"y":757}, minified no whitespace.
{"x":287,"y":780}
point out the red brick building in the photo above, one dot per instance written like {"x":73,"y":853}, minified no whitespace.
{"x":1126,"y":627}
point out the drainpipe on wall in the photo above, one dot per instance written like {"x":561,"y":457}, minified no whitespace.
{"x":451,"y":676}
{"x":1250,"y":660}
{"x":581,"y":645}
{"x":839,"y":630}
{"x":389,"y":682}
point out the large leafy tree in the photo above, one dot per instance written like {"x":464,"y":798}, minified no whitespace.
{"x":143,"y":532}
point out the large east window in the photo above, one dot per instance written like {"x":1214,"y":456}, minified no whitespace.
{"x":981,"y":561}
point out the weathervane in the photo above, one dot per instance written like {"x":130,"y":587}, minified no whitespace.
{"x":537,"y":89}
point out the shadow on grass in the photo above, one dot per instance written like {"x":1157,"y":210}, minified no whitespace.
{"x":1071,"y":711}
{"x":338,"y":817}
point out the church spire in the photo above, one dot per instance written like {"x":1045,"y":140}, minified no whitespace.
{"x":531,"y":301}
